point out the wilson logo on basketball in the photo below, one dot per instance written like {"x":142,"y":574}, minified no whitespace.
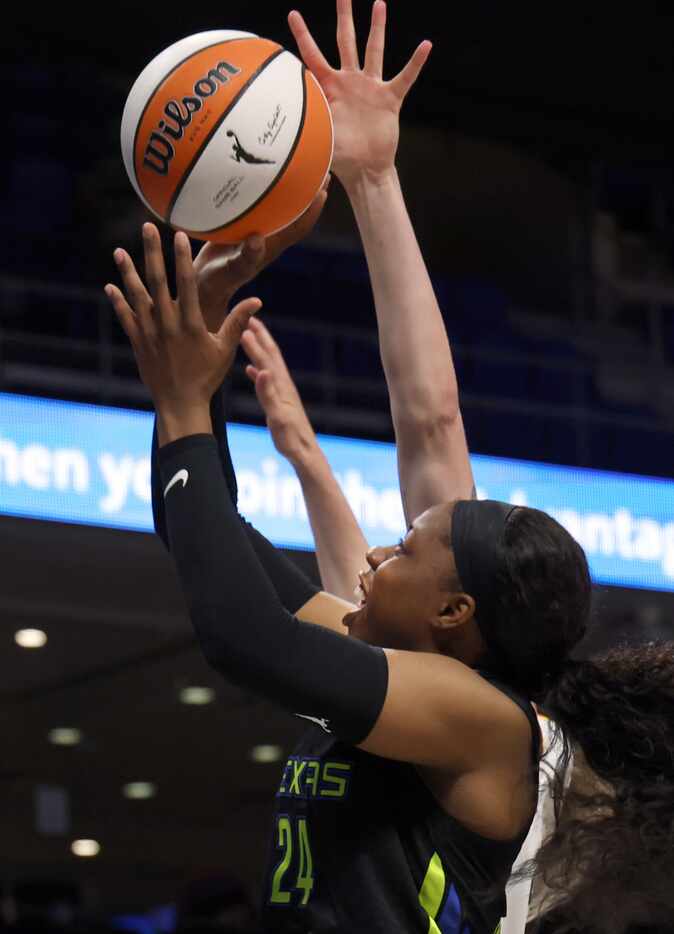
{"x":159,"y":150}
{"x":225,"y":134}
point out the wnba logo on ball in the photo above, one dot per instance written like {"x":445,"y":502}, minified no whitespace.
{"x":159,"y":150}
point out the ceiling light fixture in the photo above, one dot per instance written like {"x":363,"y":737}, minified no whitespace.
{"x":65,"y":736}
{"x":139,"y":791}
{"x":30,"y":638}
{"x":197,"y":696}
{"x":266,"y":753}
{"x":85,"y":848}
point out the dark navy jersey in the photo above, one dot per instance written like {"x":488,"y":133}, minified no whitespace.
{"x":361,"y":845}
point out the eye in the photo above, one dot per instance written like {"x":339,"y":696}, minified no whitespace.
{"x":400,"y":547}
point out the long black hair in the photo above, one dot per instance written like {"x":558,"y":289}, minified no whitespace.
{"x":608,"y":867}
{"x":539,"y":602}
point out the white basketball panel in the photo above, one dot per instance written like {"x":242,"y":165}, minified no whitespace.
{"x":266,"y":120}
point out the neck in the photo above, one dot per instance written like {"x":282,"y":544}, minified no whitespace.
{"x":464,"y":643}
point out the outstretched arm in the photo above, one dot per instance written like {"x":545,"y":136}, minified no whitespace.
{"x":340,"y":544}
{"x":295,"y":591}
{"x":221,"y":270}
{"x":433,"y":458}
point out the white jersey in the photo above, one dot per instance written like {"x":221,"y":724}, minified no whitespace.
{"x":520,"y":908}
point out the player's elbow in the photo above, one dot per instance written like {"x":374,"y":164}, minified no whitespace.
{"x":435,"y":420}
{"x":429,"y":402}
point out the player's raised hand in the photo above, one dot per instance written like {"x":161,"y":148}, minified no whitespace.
{"x":365,"y":108}
{"x":287,"y":419}
{"x":180,"y":362}
{"x":222,"y":270}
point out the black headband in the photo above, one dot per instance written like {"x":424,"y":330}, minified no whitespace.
{"x":477,"y":541}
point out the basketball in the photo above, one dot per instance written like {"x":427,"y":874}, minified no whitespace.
{"x":225,"y":134}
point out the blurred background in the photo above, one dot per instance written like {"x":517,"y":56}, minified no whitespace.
{"x":536,"y":161}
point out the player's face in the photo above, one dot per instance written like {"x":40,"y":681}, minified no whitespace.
{"x":407,"y":586}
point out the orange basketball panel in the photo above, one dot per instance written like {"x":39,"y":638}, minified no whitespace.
{"x":247,"y":55}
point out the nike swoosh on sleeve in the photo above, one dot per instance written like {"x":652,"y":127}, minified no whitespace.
{"x":181,"y":477}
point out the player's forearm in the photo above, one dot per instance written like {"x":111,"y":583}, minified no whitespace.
{"x":414,"y":346}
{"x":340,"y":544}
{"x":433,"y":461}
{"x":242,"y":627}
{"x":295,"y":591}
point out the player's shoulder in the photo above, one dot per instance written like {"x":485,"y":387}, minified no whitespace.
{"x":468,"y":700}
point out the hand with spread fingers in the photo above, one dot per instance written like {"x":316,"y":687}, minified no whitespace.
{"x":179,"y":360}
{"x":286,"y":416}
{"x":365,"y":108}
{"x":221,"y":270}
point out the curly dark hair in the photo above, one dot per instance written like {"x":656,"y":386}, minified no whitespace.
{"x":609,"y":865}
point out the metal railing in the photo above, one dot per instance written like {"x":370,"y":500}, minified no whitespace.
{"x":102,"y":369}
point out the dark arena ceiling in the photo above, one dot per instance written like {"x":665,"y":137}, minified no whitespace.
{"x":534,"y":73}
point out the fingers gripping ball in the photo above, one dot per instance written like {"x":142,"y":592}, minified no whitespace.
{"x":225,"y":134}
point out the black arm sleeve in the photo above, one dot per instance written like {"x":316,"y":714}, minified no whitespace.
{"x":240,"y":622}
{"x":293,"y":588}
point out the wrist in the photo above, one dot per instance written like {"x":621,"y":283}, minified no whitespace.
{"x":309,"y":461}
{"x":294,"y":438}
{"x":365,"y":182}
{"x":303,"y":452}
{"x":175,"y":421}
